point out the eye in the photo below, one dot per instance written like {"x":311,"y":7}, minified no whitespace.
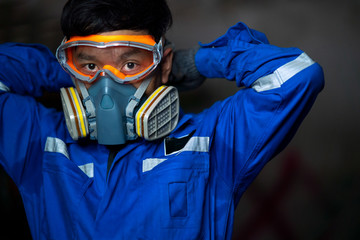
{"x":88,"y":68}
{"x":91,"y":66}
{"x":130,"y":68}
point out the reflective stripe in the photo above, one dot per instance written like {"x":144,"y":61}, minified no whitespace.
{"x":4,"y":88}
{"x":197,"y":144}
{"x":88,"y":169}
{"x":150,"y":163}
{"x":56,"y":145}
{"x":283,"y":73}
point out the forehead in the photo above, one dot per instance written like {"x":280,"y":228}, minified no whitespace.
{"x":94,"y":53}
{"x":82,"y":51}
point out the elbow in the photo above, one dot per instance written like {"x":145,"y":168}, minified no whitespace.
{"x":315,"y":80}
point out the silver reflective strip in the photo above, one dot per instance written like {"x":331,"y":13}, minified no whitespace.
{"x":56,"y":145}
{"x":88,"y":169}
{"x":4,"y":88}
{"x":197,"y":144}
{"x":283,"y":73}
{"x":150,"y":163}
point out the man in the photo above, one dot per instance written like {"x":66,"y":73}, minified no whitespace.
{"x":123,"y":161}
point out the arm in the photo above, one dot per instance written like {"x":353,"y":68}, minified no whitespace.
{"x":26,"y":70}
{"x":280,"y":86}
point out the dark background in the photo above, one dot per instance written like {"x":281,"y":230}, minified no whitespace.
{"x":309,"y":191}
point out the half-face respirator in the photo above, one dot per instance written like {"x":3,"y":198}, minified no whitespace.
{"x":104,"y":104}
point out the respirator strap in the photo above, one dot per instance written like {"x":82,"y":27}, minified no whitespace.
{"x":133,"y":102}
{"x":89,"y":107}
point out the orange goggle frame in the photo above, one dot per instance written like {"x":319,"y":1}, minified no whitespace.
{"x":146,"y":42}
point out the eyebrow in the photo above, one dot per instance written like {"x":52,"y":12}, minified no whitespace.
{"x":84,"y":56}
{"x":130,"y":53}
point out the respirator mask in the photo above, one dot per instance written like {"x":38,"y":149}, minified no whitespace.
{"x":104,"y":104}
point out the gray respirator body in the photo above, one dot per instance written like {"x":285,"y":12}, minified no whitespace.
{"x":114,"y":113}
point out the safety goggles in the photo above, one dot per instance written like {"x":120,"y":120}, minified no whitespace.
{"x":125,"y":58}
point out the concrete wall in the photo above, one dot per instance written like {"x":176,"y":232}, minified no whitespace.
{"x":309,"y":191}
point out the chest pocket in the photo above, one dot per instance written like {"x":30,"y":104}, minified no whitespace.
{"x":174,"y":191}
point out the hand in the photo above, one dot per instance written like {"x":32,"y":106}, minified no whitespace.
{"x":184,"y":74}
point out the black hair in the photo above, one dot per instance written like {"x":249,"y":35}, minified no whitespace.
{"x":87,"y":17}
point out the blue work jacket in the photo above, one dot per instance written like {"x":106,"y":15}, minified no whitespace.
{"x":185,"y":186}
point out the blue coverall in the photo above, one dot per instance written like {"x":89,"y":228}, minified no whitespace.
{"x":185,"y":186}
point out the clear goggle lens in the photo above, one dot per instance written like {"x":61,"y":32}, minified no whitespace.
{"x":126,"y":58}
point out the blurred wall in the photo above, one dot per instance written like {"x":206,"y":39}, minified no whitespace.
{"x":309,"y":191}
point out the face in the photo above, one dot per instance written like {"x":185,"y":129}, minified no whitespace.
{"x":123,"y":60}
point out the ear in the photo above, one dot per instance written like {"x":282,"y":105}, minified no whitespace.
{"x":166,"y":64}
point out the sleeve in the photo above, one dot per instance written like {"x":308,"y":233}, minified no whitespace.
{"x":25,"y":72}
{"x":29,"y":69}
{"x":279,"y":87}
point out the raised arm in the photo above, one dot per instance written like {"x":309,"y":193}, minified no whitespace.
{"x":25,"y":71}
{"x":280,"y":86}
